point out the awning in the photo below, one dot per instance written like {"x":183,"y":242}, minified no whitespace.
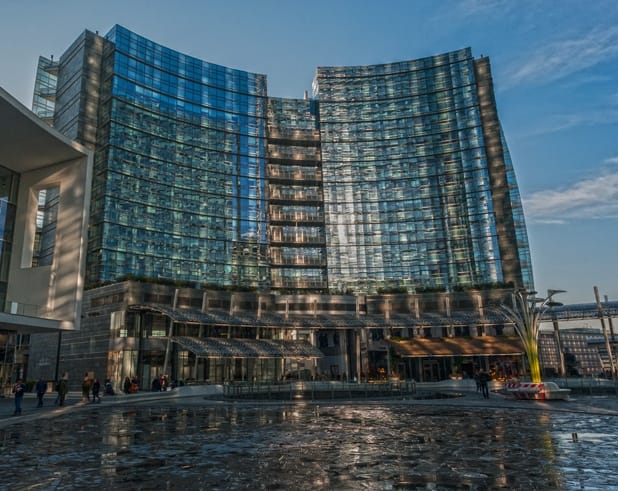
{"x":247,"y":348}
{"x":458,"y":346}
{"x":276,"y":320}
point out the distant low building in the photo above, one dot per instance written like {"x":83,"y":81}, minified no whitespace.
{"x":582,"y":349}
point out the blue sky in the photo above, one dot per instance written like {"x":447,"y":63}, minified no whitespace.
{"x":554,"y":63}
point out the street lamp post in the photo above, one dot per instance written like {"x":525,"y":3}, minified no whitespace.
{"x":526,"y":313}
{"x":608,"y":347}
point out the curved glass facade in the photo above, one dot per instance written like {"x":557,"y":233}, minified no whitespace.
{"x":179,"y":173}
{"x":393,"y":177}
{"x":407,"y":190}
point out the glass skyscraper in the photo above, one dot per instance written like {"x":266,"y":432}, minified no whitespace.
{"x":178,"y":191}
{"x":393,"y":177}
{"x":409,"y":184}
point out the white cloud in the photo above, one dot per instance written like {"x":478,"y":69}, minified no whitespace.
{"x":592,"y":198}
{"x":565,"y":57}
{"x":611,"y":161}
{"x":478,"y":7}
{"x":561,"y":122}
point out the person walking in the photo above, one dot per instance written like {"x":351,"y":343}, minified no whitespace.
{"x":18,"y":389}
{"x":96,"y":388}
{"x":40,"y":388}
{"x":86,"y":385}
{"x":57,"y":389}
{"x":109,"y":389}
{"x":156,"y":384}
{"x":484,"y":381}
{"x":126,"y":387}
{"x":63,"y":388}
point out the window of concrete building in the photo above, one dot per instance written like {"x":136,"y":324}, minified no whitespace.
{"x":45,"y":232}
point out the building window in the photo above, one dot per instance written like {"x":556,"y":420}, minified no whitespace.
{"x":46,"y":220}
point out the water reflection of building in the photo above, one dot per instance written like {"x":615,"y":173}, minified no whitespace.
{"x":334,"y":210}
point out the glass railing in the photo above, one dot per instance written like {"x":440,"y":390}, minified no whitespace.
{"x":25,"y":309}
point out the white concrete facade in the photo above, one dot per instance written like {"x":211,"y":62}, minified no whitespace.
{"x":44,"y":298}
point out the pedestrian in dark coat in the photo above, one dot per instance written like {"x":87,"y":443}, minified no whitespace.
{"x":96,"y":388}
{"x":41,"y":388}
{"x":127,"y":385}
{"x":484,"y":381}
{"x":156,"y":384}
{"x":63,"y":389}
{"x":18,"y":389}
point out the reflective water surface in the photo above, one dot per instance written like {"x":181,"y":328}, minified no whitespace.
{"x":306,"y":446}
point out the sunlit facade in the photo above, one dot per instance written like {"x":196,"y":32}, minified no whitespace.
{"x":409,"y":185}
{"x":44,"y":197}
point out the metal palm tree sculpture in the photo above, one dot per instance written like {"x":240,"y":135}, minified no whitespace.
{"x":526,"y":314}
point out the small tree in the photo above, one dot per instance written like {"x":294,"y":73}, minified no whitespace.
{"x":526,"y":313}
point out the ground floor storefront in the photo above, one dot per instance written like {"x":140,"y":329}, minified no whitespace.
{"x":325,"y":355}
{"x":435,"y":359}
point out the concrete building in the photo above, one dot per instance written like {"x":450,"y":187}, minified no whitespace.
{"x":44,"y":198}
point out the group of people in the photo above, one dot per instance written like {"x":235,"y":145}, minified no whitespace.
{"x":161,"y":383}
{"x":130,"y":385}
{"x":19,"y":389}
{"x":91,"y":391}
{"x":91,"y":384}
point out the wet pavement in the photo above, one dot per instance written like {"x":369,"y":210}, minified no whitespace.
{"x":163,"y":441}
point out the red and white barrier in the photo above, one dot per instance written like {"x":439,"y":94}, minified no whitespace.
{"x":526,"y":390}
{"x":537,"y":391}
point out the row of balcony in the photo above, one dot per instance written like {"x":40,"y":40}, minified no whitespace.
{"x":293,"y":154}
{"x":276,"y":237}
{"x":294,"y":195}
{"x":293,"y":135}
{"x":309,"y":174}
{"x":297,"y":283}
{"x":278,"y":260}
{"x":297,"y":216}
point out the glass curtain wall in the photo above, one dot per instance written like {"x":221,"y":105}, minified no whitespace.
{"x":9,"y":184}
{"x":178,"y":191}
{"x":407,"y":196}
{"x":44,"y":98}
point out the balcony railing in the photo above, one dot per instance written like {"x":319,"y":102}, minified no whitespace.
{"x":295,"y":175}
{"x":298,"y":135}
{"x":297,"y":261}
{"x":308,"y":154}
{"x":301,"y":284}
{"x":25,"y":309}
{"x":296,"y":217}
{"x":300,"y":195}
{"x":296,"y":238}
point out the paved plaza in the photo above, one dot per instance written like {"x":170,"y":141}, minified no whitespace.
{"x":196,"y":395}
{"x":183,"y":439}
